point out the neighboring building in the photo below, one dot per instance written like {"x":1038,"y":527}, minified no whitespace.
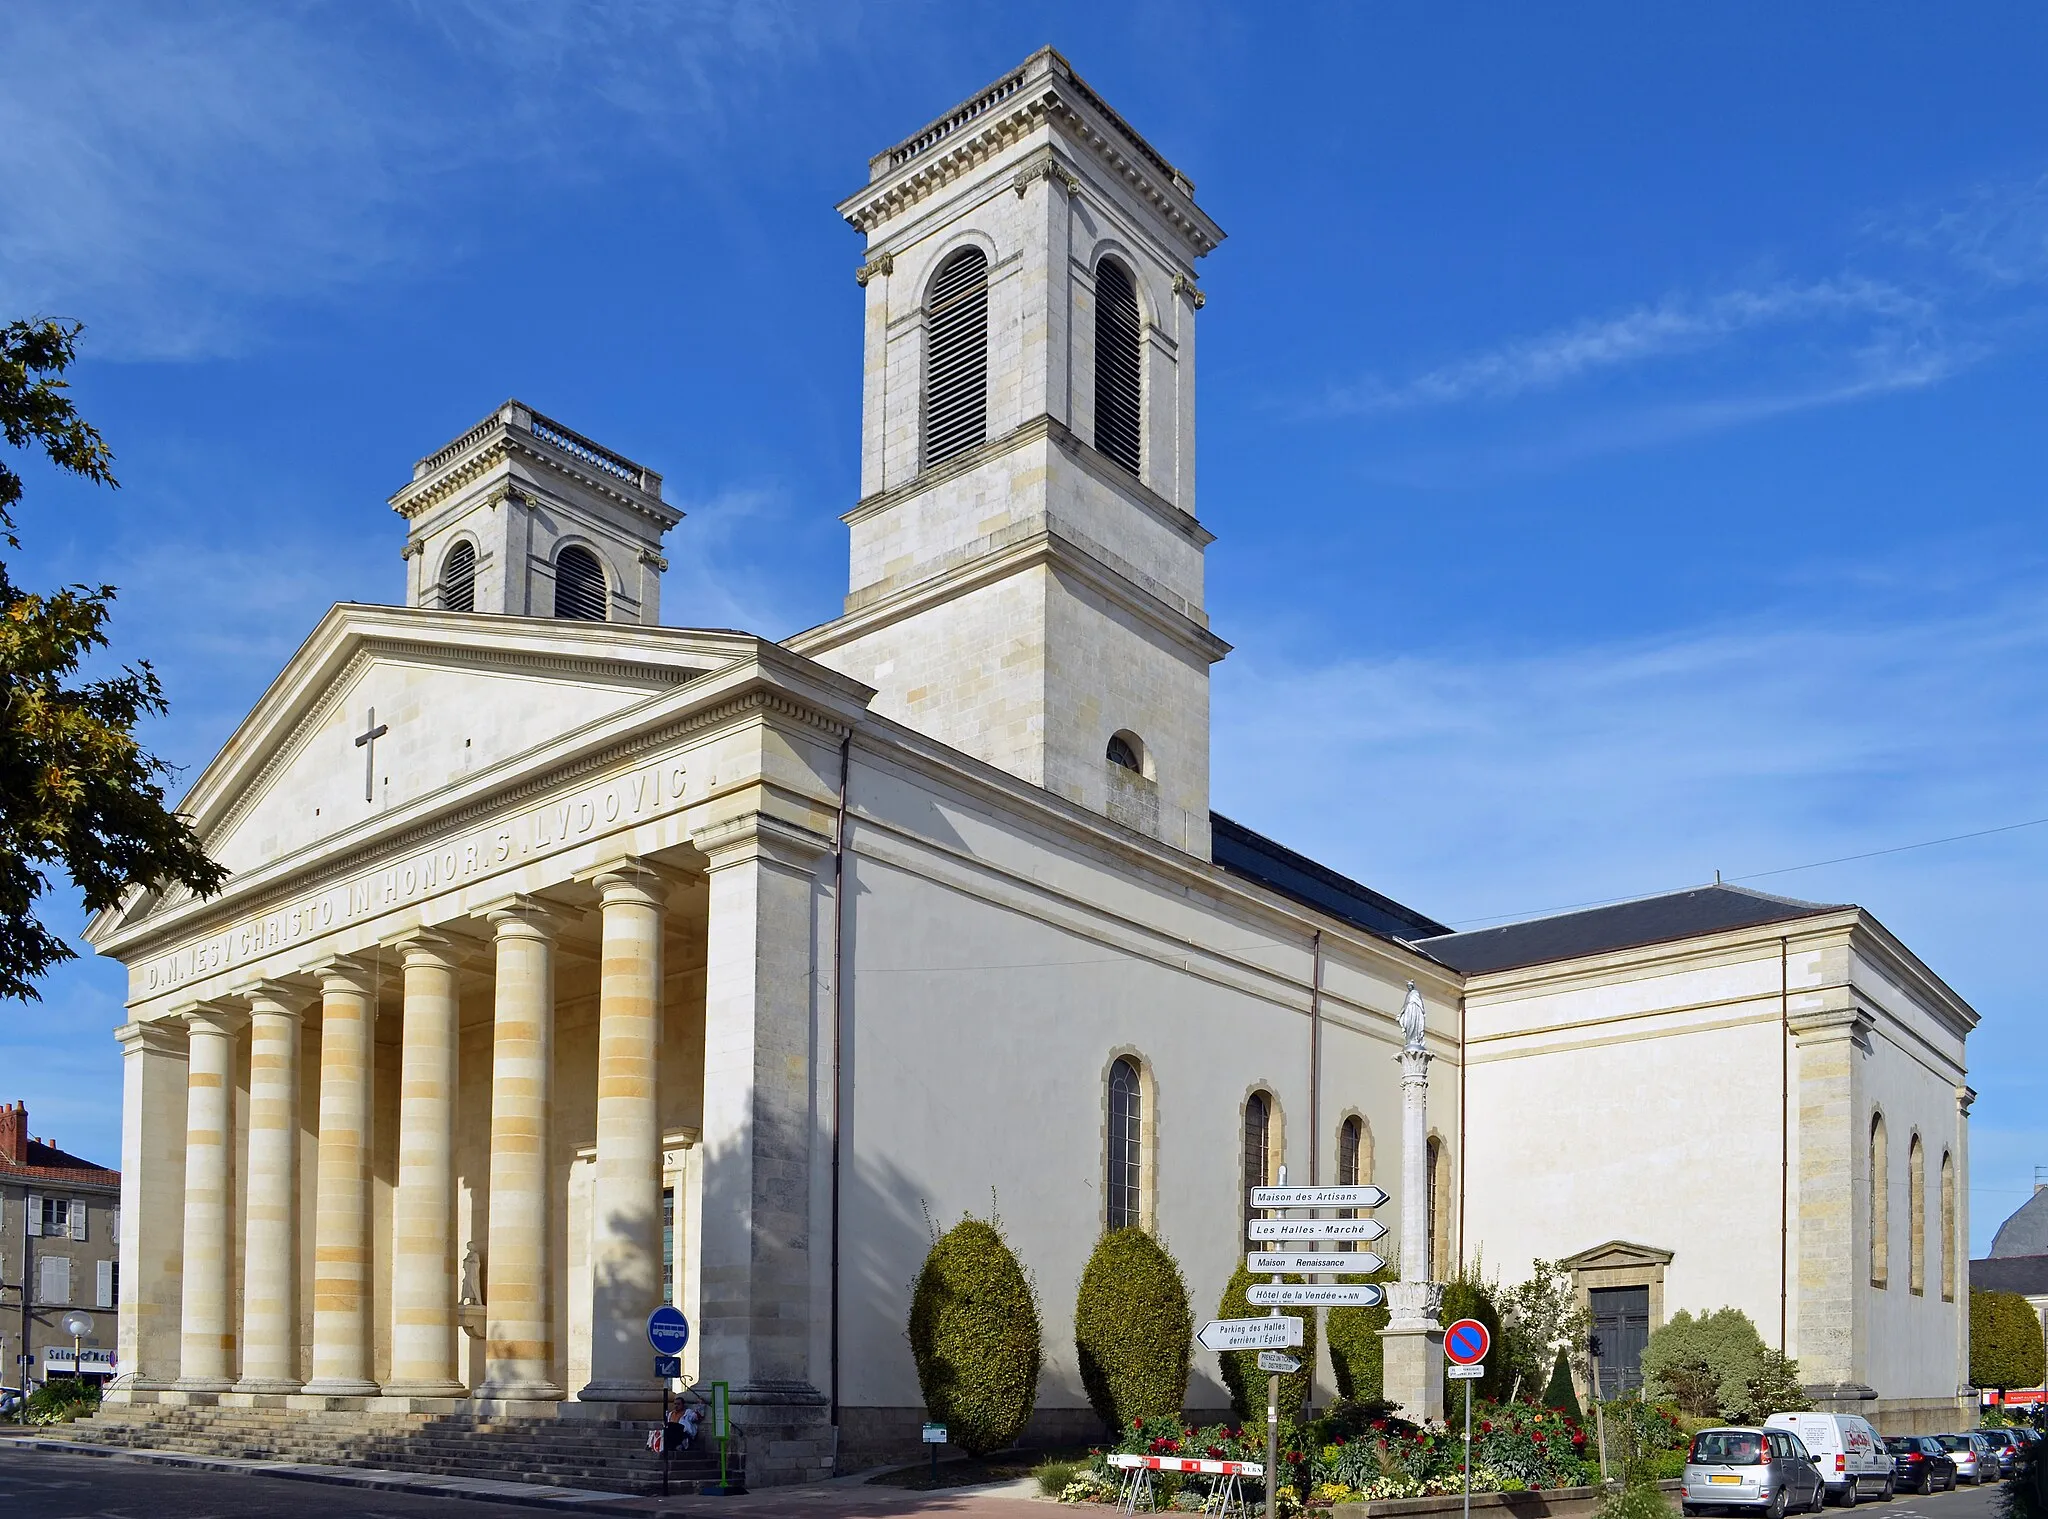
{"x":60,"y":1228}
{"x":570,"y":962}
{"x":2018,"y":1262}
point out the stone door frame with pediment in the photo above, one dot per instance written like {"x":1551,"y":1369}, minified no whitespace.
{"x":1618,"y":1263}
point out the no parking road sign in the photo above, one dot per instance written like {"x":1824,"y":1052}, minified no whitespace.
{"x":1466,"y":1342}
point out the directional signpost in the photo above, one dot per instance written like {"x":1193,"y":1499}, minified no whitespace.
{"x":1275,"y":1333}
{"x":1298,"y":1295}
{"x":1273,"y":1360}
{"x":1303,"y":1262}
{"x":1316,"y":1228}
{"x":1284,"y":1196}
{"x":1465,"y":1345}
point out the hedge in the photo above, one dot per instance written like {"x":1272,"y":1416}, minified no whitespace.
{"x":1357,"y":1354}
{"x":2006,"y":1348}
{"x":1133,"y":1330}
{"x":974,"y":1334}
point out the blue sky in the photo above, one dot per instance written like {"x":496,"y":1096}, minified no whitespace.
{"x":1621,"y":424}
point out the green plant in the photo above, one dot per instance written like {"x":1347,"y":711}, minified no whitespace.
{"x":2025,"y":1493}
{"x":1717,"y":1366}
{"x":61,"y":1400}
{"x":1640,"y":1441}
{"x":1469,"y":1295}
{"x":1053,"y":1477}
{"x":1357,"y":1354}
{"x":1559,"y":1391}
{"x":1543,"y":1317}
{"x":1133,"y":1329}
{"x":1773,"y":1388}
{"x":2005,"y":1341}
{"x":1241,"y":1372}
{"x":974,"y":1334}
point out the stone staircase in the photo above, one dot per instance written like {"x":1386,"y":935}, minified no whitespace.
{"x":607,"y":1454}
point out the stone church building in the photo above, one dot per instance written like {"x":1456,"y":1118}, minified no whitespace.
{"x":572,"y":962}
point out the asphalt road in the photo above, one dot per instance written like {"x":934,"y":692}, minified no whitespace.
{"x":54,"y":1486}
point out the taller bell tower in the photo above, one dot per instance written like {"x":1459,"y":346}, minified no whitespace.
{"x":1026,"y":563}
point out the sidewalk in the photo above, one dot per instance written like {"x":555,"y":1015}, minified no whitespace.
{"x":842,"y":1498}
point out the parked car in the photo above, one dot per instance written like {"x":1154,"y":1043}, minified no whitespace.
{"x":1921,"y":1463}
{"x":2004,"y":1445}
{"x":1766,"y":1470}
{"x":1973,"y":1456}
{"x":1852,"y":1459}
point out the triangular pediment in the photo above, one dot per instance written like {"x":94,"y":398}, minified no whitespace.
{"x":454,"y":695}
{"x":1616,"y":1253}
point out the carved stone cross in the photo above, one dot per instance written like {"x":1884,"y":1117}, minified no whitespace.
{"x":367,"y":742}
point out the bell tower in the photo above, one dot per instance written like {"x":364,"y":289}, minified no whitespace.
{"x":1026,"y":577}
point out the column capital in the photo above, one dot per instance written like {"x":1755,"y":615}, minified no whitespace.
{"x":1827,"y":1025}
{"x":158,"y":1036}
{"x":441,"y":948}
{"x":346,"y":973}
{"x":276,"y":997}
{"x":632,"y":880}
{"x":524,"y":917}
{"x":756,"y":837}
{"x":210,"y":1017}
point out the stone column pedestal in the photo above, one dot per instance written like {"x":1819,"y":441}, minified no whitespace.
{"x":1412,"y":1346}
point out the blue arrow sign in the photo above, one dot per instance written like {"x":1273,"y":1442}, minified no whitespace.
{"x":667,"y":1330}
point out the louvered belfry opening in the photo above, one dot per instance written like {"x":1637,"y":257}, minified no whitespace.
{"x":956,"y":357}
{"x":458,"y":578}
{"x":579,"y":585}
{"x":1118,"y":335}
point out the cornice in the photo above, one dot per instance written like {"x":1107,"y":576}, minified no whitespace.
{"x":419,"y":497}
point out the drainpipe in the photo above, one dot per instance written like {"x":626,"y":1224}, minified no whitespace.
{"x":838,"y":1023}
{"x":1462,"y":1063}
{"x":1315,"y":1063}
{"x":1784,"y":1130}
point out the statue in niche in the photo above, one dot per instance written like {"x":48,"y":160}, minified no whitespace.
{"x":472,"y":1278}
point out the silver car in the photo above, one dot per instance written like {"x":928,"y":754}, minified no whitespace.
{"x":1762,"y":1470}
{"x":1973,"y":1457}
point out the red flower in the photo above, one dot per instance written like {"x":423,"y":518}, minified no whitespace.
{"x":1537,"y":1438}
{"x":1215,"y":1453}
{"x":1137,"y":1423}
{"x":1294,"y":1456}
{"x":1485,"y":1428}
{"x":1340,"y":1442}
{"x":1379,"y":1423}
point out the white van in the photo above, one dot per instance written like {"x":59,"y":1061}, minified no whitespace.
{"x":1851,"y":1455}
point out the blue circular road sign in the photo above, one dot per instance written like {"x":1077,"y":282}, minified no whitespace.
{"x":667,"y":1330}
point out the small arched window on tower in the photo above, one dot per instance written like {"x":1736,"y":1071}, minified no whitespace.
{"x":579,"y":585}
{"x":1127,"y":752}
{"x":956,"y":357}
{"x":458,"y":578}
{"x":1119,"y":345}
{"x":1880,"y":1210}
{"x":1122,"y":1180}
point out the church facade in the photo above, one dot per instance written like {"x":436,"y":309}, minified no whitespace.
{"x":572,"y":962}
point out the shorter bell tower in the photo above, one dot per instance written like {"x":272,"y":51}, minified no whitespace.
{"x":523,"y":517}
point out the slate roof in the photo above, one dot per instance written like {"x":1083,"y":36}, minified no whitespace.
{"x":1624,"y":925}
{"x":2026,"y":1232}
{"x":1257,"y":858}
{"x":2012,"y":1273}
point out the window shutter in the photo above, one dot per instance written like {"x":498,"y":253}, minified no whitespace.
{"x":956,"y":357}
{"x":53,"y":1280}
{"x":579,"y":585}
{"x":35,"y":1214}
{"x":114,"y":1225}
{"x":106,"y":1294}
{"x":458,"y":578}
{"x":78,"y":1218}
{"x":1118,"y":367}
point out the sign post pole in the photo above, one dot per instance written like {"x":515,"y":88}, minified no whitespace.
{"x":1465,"y":1345}
{"x":1468,"y":1448}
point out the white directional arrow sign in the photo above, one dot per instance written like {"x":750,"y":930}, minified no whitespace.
{"x":1316,"y":1228}
{"x":1367,"y":1196}
{"x":1294,"y":1295}
{"x":1250,"y":1334}
{"x":1311,"y":1262}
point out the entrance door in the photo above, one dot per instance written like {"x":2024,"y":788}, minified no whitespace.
{"x":1621,"y":1322}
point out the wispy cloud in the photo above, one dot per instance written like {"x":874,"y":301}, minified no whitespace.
{"x":168,"y":174}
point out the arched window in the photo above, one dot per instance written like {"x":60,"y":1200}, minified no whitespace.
{"x":1439,"y":1189}
{"x":1121,"y":1181}
{"x":458,"y":578}
{"x":1354,"y":1163}
{"x":1258,"y":1146}
{"x":1948,"y":1227}
{"x":1916,"y":1227}
{"x":1126,"y":750}
{"x":1880,"y":1214}
{"x":1119,"y":336}
{"x":579,"y":585}
{"x":956,"y":357}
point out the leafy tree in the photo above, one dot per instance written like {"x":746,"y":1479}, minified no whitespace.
{"x":1543,"y":1318}
{"x":1241,"y":1372}
{"x":974,"y":1334}
{"x":1716,"y":1366}
{"x":1133,"y":1329}
{"x":2006,"y":1349}
{"x":76,"y":788}
{"x":1559,"y":1391}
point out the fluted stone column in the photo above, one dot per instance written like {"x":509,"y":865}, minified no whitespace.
{"x":270,"y":1248}
{"x":519,"y":1337}
{"x":423,"y":1319}
{"x":342,"y":1258}
{"x":206,"y":1336}
{"x":626,"y":1198}
{"x":153,"y":1119}
{"x":1412,"y":1344}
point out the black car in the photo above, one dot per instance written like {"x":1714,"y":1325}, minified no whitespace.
{"x":1919,"y":1464}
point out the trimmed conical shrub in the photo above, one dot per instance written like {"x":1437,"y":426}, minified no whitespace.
{"x":1133,"y":1329}
{"x":1560,"y":1393}
{"x":974,"y":1334}
{"x":1357,"y":1354}
{"x":1241,"y":1372}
